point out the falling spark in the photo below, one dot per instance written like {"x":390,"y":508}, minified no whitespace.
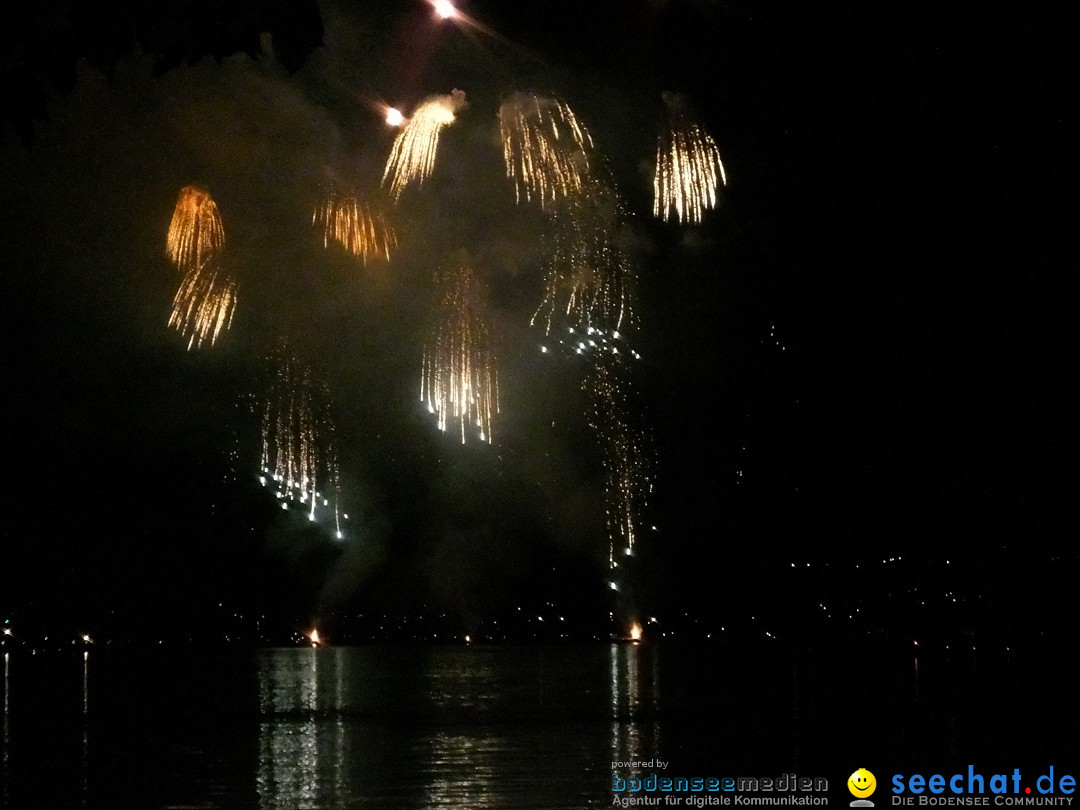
{"x":627,"y":469}
{"x":545,"y":149}
{"x":412,"y":156}
{"x":353,"y":225}
{"x":458,"y":380}
{"x":204,"y":304}
{"x":689,"y":171}
{"x":394,"y":117}
{"x":195,"y":233}
{"x":589,"y":276}
{"x":298,"y":453}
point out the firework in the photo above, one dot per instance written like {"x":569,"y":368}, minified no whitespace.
{"x":623,"y":445}
{"x":689,"y":171}
{"x":352,"y":224}
{"x":205,"y":303}
{"x":412,"y":156}
{"x":299,"y":459}
{"x":196,"y":235}
{"x":589,"y":275}
{"x":544,"y":148}
{"x":458,"y":380}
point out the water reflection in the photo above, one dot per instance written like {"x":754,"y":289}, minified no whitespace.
{"x":635,"y":696}
{"x":469,"y":727}
{"x":301,"y":736}
{"x":7,"y":728}
{"x":462,"y":770}
{"x":86,"y":728}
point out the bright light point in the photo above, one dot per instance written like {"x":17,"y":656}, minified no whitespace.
{"x":394,"y":117}
{"x":468,"y":639}
{"x":262,"y":480}
{"x":7,"y":631}
{"x":629,"y":552}
{"x":314,"y":637}
{"x":445,"y":9}
{"x":543,"y":349}
{"x":615,"y":335}
{"x":613,"y":586}
{"x":339,"y":535}
{"x":86,"y":639}
{"x":284,"y":506}
{"x":311,"y":518}
{"x":635,"y":632}
{"x":344,"y":517}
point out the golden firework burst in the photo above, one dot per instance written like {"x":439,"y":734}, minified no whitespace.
{"x":204,"y":304}
{"x":689,"y":171}
{"x":353,"y":224}
{"x":196,"y":235}
{"x":545,"y":149}
{"x":458,"y":380}
{"x":412,"y":157}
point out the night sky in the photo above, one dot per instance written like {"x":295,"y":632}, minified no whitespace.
{"x":866,"y":350}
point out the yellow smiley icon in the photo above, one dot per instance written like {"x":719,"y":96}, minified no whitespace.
{"x":861,"y":783}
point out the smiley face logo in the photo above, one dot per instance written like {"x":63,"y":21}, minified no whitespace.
{"x":861,"y":783}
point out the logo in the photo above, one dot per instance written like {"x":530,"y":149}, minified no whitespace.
{"x":862,"y":785}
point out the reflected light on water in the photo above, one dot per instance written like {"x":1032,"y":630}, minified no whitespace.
{"x":86,"y":725}
{"x":633,"y":737}
{"x":463,"y":771}
{"x":301,"y":748}
{"x":7,"y":728}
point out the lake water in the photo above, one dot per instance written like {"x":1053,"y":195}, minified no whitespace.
{"x":496,"y":727}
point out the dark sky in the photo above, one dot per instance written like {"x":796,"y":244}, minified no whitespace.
{"x":875,"y":327}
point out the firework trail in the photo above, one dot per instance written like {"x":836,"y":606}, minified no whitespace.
{"x":589,"y":276}
{"x":689,"y":171}
{"x":624,"y":450}
{"x":458,"y":380}
{"x":352,"y":224}
{"x":544,"y":148}
{"x":299,"y":458}
{"x":205,"y":303}
{"x":412,"y":156}
{"x":196,"y":235}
